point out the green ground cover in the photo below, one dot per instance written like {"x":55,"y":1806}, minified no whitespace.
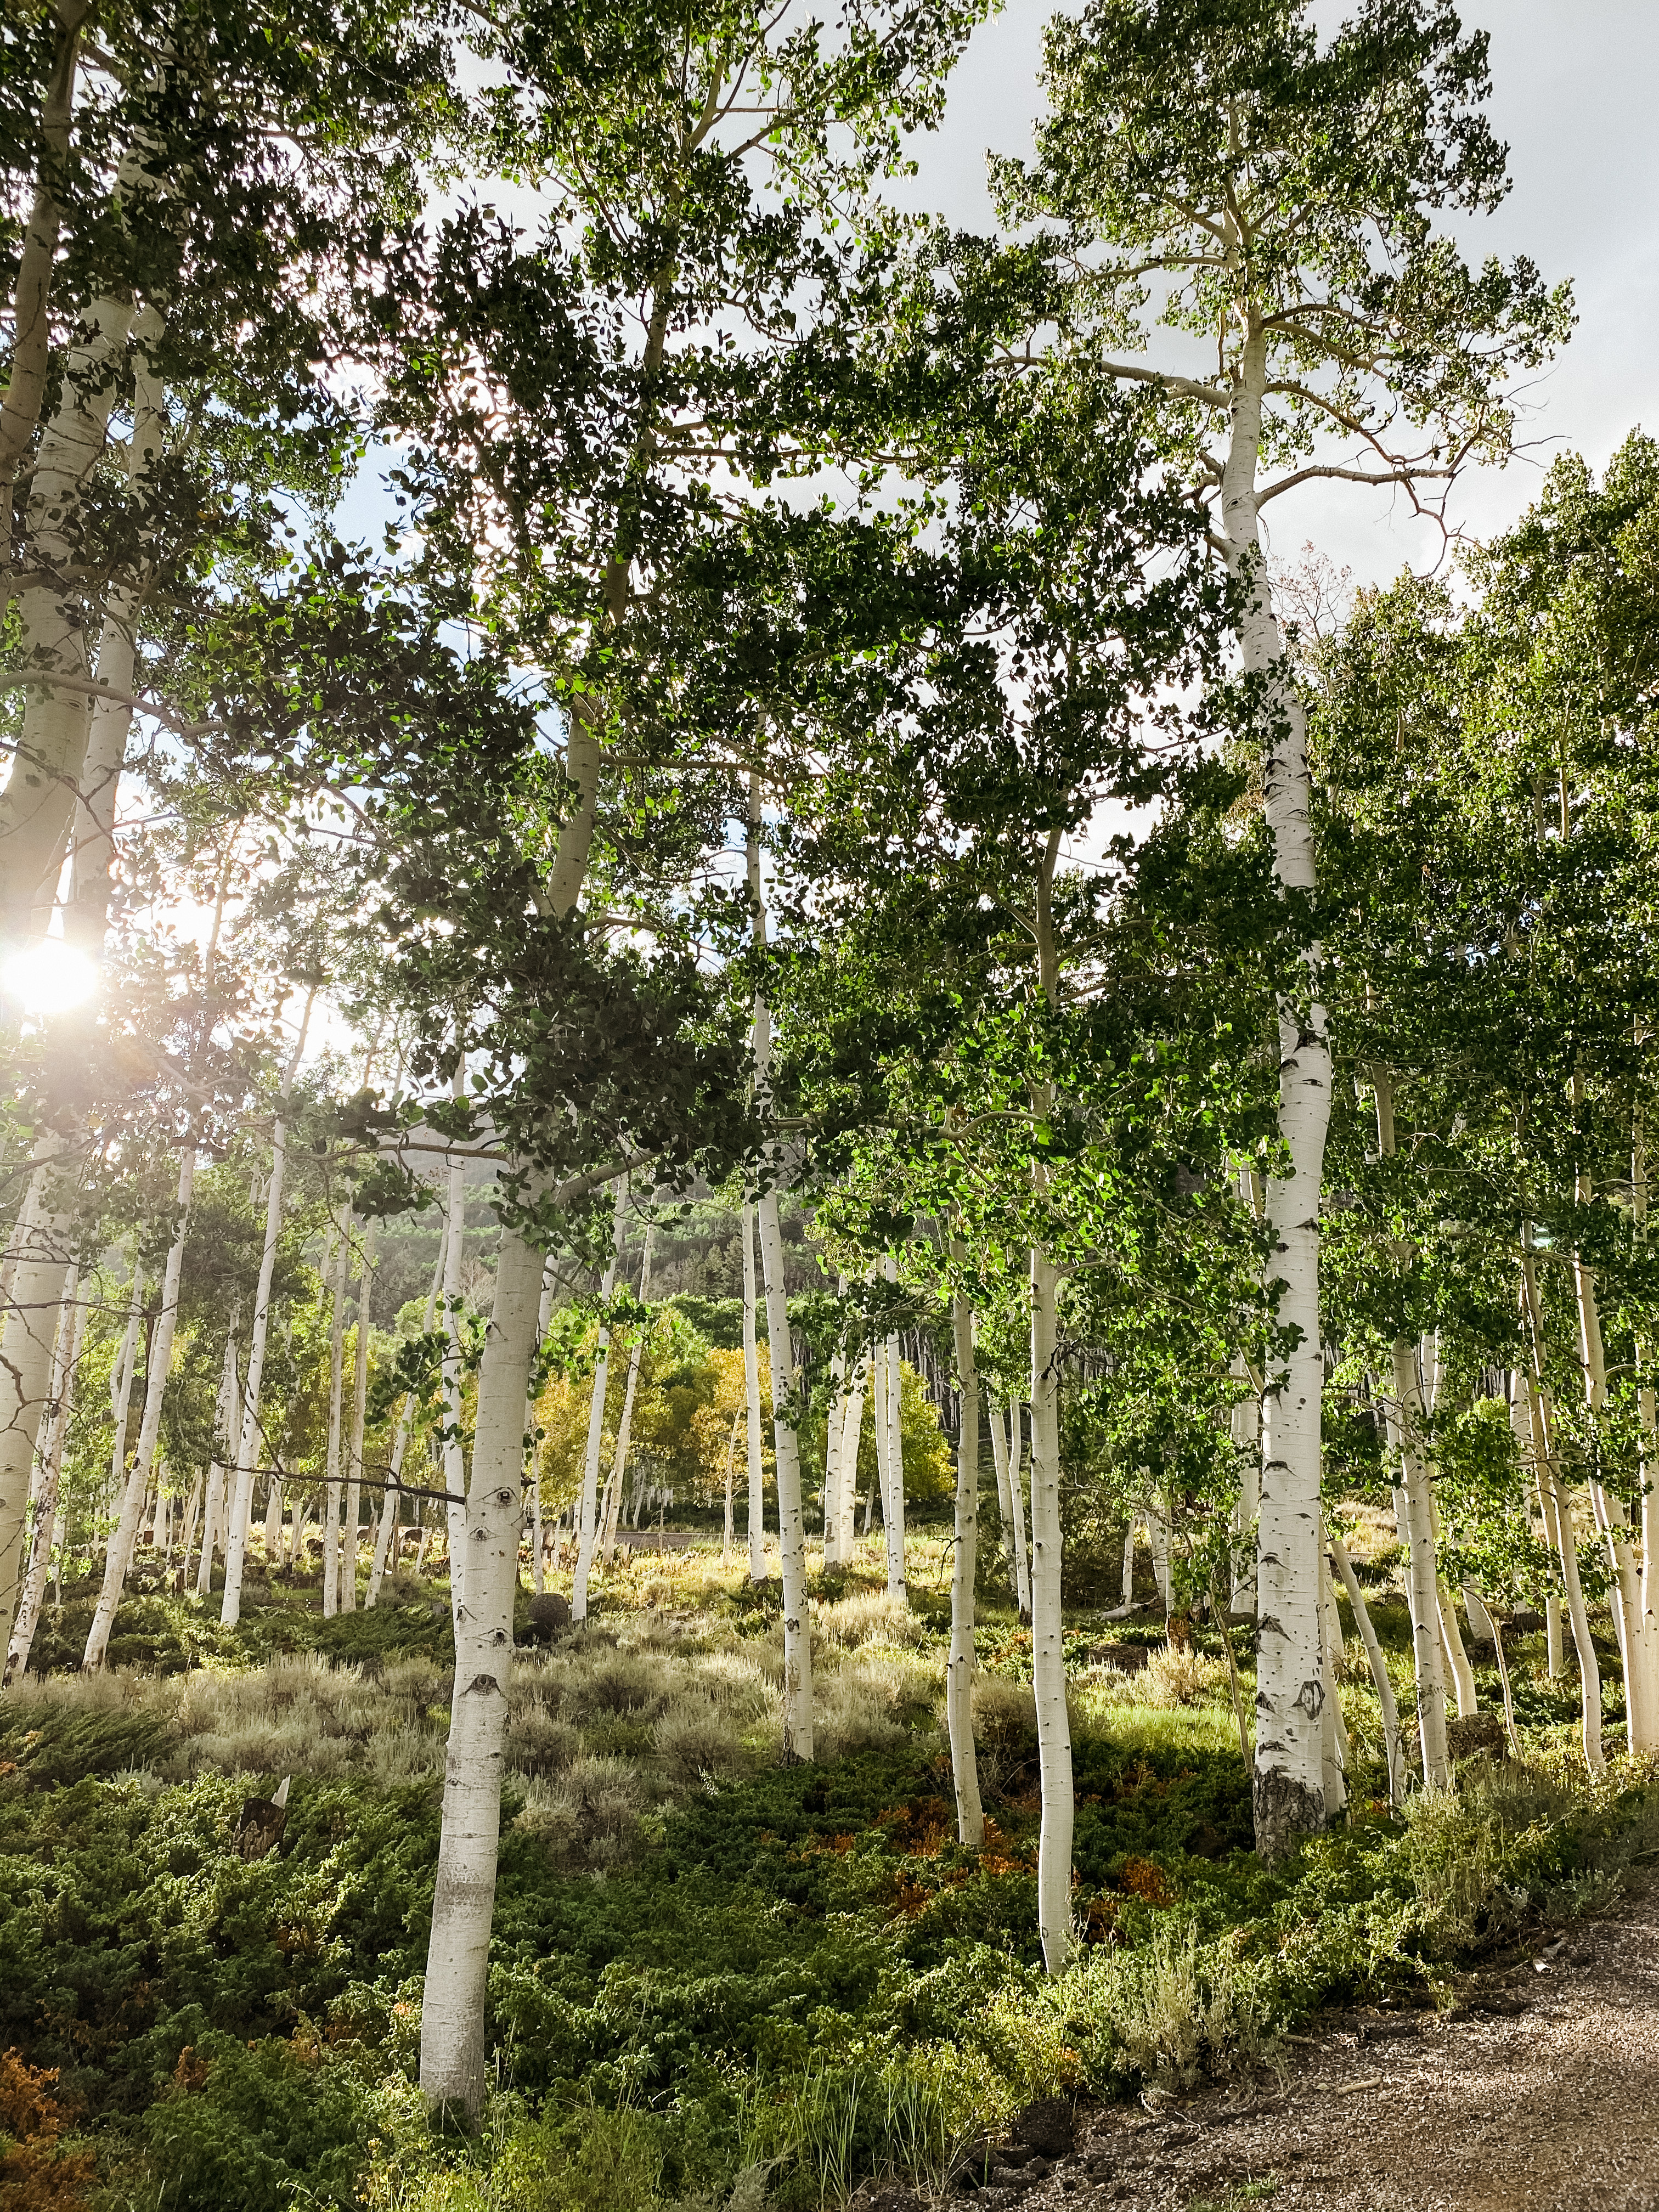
{"x":711,"y":1973}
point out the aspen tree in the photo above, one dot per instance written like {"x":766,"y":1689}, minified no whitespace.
{"x":752,"y":1401}
{"x":45,"y":1514}
{"x":613,"y":1489}
{"x":588,"y":1524}
{"x":339,"y":1263}
{"x":1278,"y":195}
{"x":960,"y":1665}
{"x":359,"y":1410}
{"x":227,"y":1427}
{"x":158,"y":1369}
{"x":242,"y":1475}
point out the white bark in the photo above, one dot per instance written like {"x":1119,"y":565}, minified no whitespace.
{"x":752,"y":1395}
{"x":44,"y":1519}
{"x":835,"y":1422}
{"x":1451,"y":1637}
{"x":889,"y":1403}
{"x":40,"y":1241}
{"x":1016,"y":1502}
{"x":852,"y":1434}
{"x":960,"y":1666}
{"x":1393,"y":1752}
{"x":227,"y":1426}
{"x":588,"y":1531}
{"x":1559,"y":1515}
{"x":341,"y":1259}
{"x":455,"y":1452}
{"x":359,"y":1413}
{"x":119,"y":1555}
{"x":1334,"y":1748}
{"x":1005,"y":1507}
{"x":613,"y":1489}
{"x":544,"y":1315}
{"x":1422,"y":1580}
{"x":1048,"y":1650}
{"x":1289,"y":1693}
{"x":786,"y":1441}
{"x":121,"y":1377}
{"x":458,"y":1956}
{"x":246,"y":1450}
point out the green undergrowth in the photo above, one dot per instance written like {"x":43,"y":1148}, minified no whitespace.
{"x":769,"y":1982}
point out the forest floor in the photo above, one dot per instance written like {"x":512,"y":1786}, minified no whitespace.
{"x":717,"y":1982}
{"x":1540,"y":2093}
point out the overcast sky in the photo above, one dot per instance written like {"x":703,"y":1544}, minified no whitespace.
{"x":1573,"y":90}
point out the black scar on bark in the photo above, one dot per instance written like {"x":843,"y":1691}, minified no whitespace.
{"x":1287,"y":1812}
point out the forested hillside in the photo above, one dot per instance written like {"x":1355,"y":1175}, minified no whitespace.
{"x":828,"y":1327}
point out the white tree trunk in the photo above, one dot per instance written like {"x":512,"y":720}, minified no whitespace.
{"x":71,"y":1329}
{"x":246,"y":1450}
{"x":454,"y":1453}
{"x":453,"y":2053}
{"x":227,"y":1427}
{"x":121,"y":1377}
{"x":589,"y":1529}
{"x":1393,"y":1752}
{"x":892,"y":1502}
{"x":752,"y":1394}
{"x":792,"y":1521}
{"x":1559,"y":1511}
{"x":41,"y":1240}
{"x":1048,"y":1649}
{"x":1422,"y":1579}
{"x":1290,"y":1692}
{"x":544,"y":1315}
{"x":852,"y":1434}
{"x":359,"y":1412}
{"x":335,"y":1421}
{"x":156,"y":1381}
{"x":960,"y":1667}
{"x":1451,"y":1638}
{"x":1005,"y":1504}
{"x":1016,"y":1501}
{"x":613,"y":1489}
{"x":835,"y":1422}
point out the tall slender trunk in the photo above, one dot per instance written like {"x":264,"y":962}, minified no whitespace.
{"x":454,"y":1448}
{"x":835,"y":1422}
{"x":543,"y":1315}
{"x":1047,"y":1647}
{"x":359,"y":1411}
{"x":1559,"y":1510}
{"x":393,"y":1498}
{"x":156,"y":1382}
{"x":752,"y":1399}
{"x":71,"y":1329}
{"x":227,"y":1426}
{"x":246,"y":1449}
{"x":852,"y":1434}
{"x":1005,"y":1506}
{"x":1016,"y":1502}
{"x":457,"y":1955}
{"x":339,"y":1265}
{"x":729,"y":1529}
{"x":1422,"y":1582}
{"x":613,"y":1489}
{"x":588,"y":1531}
{"x":960,"y":1666}
{"x":1290,"y":1692}
{"x":1392,"y":1752}
{"x":786,"y":1439}
{"x":1644,"y":1627}
{"x":888,"y":1409}
{"x":41,"y":1242}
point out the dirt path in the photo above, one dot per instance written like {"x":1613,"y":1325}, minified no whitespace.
{"x":1542,"y":2097}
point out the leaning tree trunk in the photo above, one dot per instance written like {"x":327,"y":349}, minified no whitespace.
{"x":458,"y":1954}
{"x":155,"y":1382}
{"x":1005,"y":1506}
{"x":752,"y":1399}
{"x":1391,"y":1746}
{"x":588,"y":1531}
{"x":960,"y":1666}
{"x":27,"y":1350}
{"x":1289,"y":1793}
{"x":241,"y":1487}
{"x":71,"y":1329}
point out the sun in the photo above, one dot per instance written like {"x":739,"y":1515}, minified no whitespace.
{"x":49,"y":978}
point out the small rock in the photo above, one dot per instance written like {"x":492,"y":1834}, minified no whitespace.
{"x":549,"y":1616}
{"x":1049,"y":2126}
